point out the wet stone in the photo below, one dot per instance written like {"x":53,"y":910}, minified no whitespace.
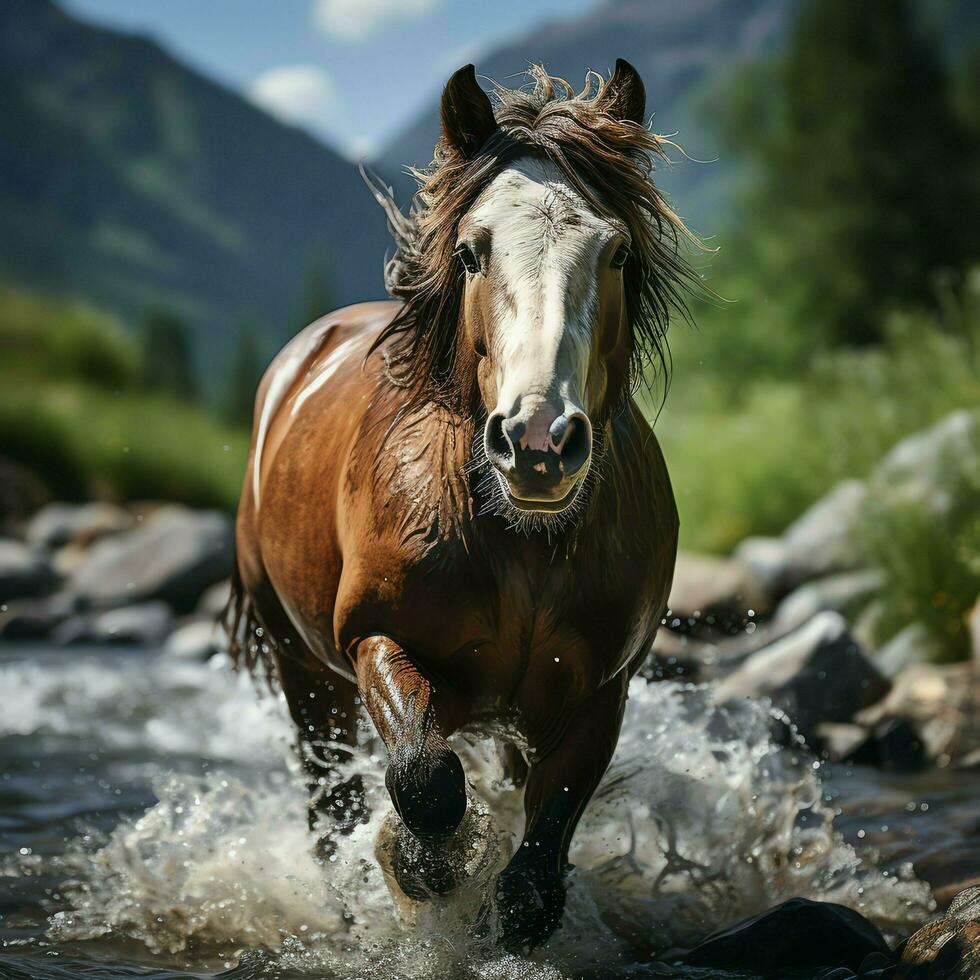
{"x":797,"y":935}
{"x":949,"y":948}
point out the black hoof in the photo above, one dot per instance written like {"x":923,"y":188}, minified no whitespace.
{"x":429,"y":793}
{"x":530,"y":904}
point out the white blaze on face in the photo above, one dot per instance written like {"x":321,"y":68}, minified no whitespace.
{"x":545,"y":245}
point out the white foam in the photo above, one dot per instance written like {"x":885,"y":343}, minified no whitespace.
{"x":700,"y":821}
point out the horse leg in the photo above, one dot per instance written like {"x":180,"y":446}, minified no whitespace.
{"x":324,"y":707}
{"x":560,"y":782}
{"x":425,"y":777}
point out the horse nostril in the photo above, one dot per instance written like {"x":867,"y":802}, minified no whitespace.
{"x":498,"y":445}
{"x":575,"y":444}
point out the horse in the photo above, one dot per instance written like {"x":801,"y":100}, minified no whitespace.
{"x":454,"y":513}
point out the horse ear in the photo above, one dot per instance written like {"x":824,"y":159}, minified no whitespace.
{"x":624,"y":96}
{"x":467,"y":116}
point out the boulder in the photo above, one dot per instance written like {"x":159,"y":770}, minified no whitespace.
{"x":21,"y":493}
{"x":25,"y":572}
{"x":917,"y":468}
{"x":140,"y":625}
{"x":196,"y":639}
{"x":818,"y":543}
{"x":33,"y":619}
{"x":942,"y":705}
{"x":712,"y":594}
{"x":174,"y":556}
{"x":59,"y":524}
{"x":215,"y":599}
{"x":815,"y":674}
{"x":949,"y":948}
{"x":798,"y":935}
{"x":846,"y":593}
{"x":911,"y":646}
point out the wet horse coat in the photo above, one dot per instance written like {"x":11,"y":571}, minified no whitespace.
{"x":497,"y":561}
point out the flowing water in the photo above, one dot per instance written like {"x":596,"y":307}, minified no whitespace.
{"x":152,"y":824}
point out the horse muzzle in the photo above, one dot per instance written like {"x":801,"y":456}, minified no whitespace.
{"x":542,"y":452}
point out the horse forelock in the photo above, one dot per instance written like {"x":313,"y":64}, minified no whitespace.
{"x":607,"y":160}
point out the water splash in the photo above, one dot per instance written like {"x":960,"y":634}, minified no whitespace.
{"x":701,"y":820}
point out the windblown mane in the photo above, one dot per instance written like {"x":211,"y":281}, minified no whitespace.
{"x":609,"y":161}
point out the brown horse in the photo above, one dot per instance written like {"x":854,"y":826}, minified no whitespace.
{"x":454,"y":512}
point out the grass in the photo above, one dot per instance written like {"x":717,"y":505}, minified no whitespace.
{"x":72,"y":411}
{"x":749,"y":459}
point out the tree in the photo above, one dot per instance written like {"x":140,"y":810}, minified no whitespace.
{"x":168,"y":356}
{"x":864,"y":188}
{"x":317,"y":296}
{"x":247,"y":366}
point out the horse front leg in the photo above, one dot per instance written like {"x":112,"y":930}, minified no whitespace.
{"x":560,"y":783}
{"x":425,"y":778}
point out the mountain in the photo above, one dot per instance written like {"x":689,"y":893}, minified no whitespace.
{"x":128,"y":179}
{"x":685,"y":52}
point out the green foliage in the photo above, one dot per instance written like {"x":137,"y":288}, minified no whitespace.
{"x":247,"y":366}
{"x":317,"y":299}
{"x":57,"y":339}
{"x":748,"y":456}
{"x":168,"y":356}
{"x":863,"y":171}
{"x":930,"y":555}
{"x":73,"y":411}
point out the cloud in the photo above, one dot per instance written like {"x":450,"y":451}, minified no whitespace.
{"x":355,"y":20}
{"x":298,"y":94}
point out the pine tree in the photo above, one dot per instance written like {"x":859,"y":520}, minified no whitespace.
{"x":168,"y":356}
{"x":247,"y":366}
{"x":863,"y":190}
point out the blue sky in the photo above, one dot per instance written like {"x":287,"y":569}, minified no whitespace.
{"x":351,"y":71}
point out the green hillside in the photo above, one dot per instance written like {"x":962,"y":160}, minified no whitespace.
{"x":131,"y":180}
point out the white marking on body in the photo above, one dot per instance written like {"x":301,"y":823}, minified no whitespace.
{"x":325,"y":372}
{"x":281,"y":382}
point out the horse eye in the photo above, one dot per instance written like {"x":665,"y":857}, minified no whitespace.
{"x":621,"y":256}
{"x":466,"y":256}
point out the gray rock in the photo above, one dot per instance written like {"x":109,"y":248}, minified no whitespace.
{"x":818,"y":543}
{"x":846,"y":593}
{"x":25,"y":572}
{"x":714,"y":592}
{"x":942,"y":705}
{"x":815,"y":674}
{"x":196,"y":639}
{"x":175,"y":555}
{"x":33,"y":619}
{"x":917,"y":468}
{"x":140,"y":625}
{"x":910,"y":646}
{"x":215,"y":599}
{"x":59,"y":524}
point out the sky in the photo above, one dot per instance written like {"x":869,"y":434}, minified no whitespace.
{"x":353,"y":72}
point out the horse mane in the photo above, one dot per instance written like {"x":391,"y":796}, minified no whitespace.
{"x":609,"y":161}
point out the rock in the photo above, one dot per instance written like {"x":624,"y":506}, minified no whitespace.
{"x":59,"y":524}
{"x":917,"y":468}
{"x":840,"y":740}
{"x":815,"y":674}
{"x":140,"y":625}
{"x":949,"y":948}
{"x":196,"y":639}
{"x":174,"y":555}
{"x":942,"y":705}
{"x":846,"y":593}
{"x":973,"y":625}
{"x":33,"y":619}
{"x":715,"y":594}
{"x":818,"y":543}
{"x":910,"y":646}
{"x":24,"y":571}
{"x":794,"y":936}
{"x":215,"y":599}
